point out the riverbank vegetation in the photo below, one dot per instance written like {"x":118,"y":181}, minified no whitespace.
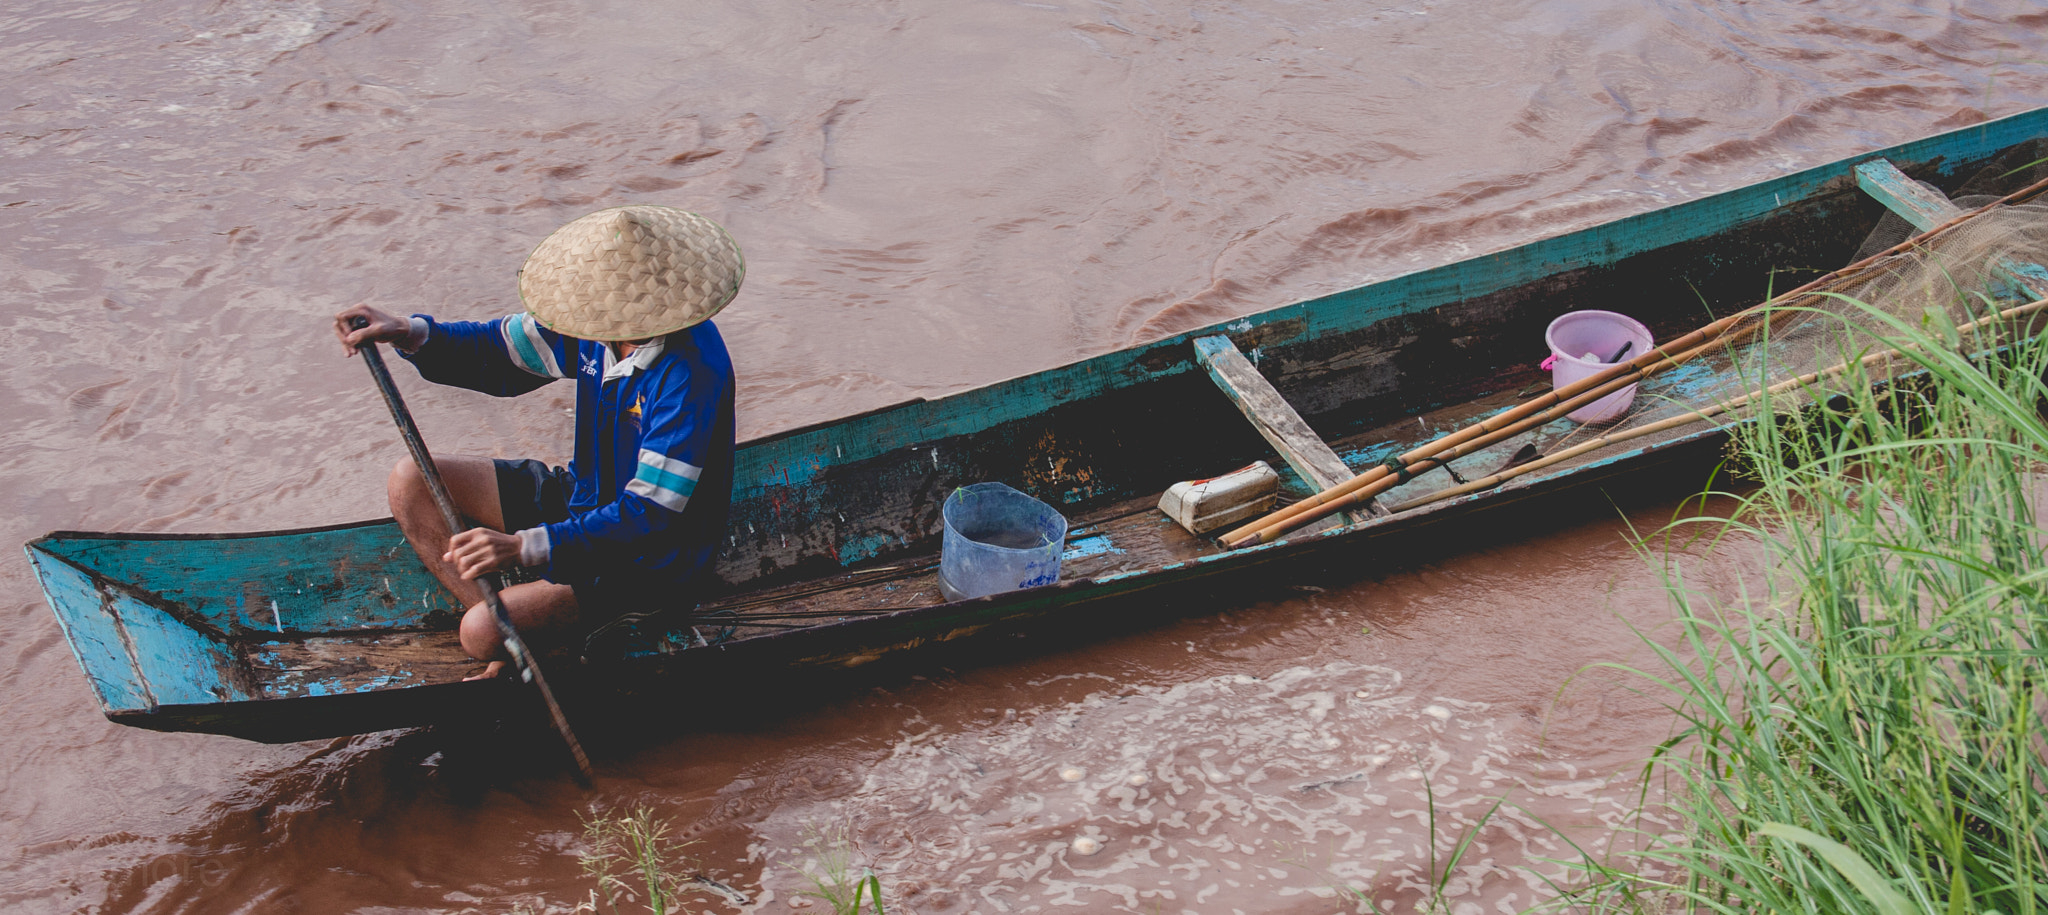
{"x":639,"y":865}
{"x":1863,"y":730}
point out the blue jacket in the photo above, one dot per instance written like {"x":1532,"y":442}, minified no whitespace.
{"x":654,"y":440}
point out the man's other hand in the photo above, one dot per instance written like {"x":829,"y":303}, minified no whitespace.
{"x":480,"y":550}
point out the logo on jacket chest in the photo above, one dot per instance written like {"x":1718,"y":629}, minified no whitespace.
{"x":590,"y":366}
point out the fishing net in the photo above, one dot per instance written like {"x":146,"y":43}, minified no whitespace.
{"x":1962,"y":274}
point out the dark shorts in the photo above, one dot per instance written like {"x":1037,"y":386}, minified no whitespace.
{"x":530,"y":494}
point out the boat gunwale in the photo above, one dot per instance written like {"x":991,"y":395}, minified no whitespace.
{"x":224,"y":535}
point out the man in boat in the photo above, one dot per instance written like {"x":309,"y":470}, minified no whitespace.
{"x":620,"y":301}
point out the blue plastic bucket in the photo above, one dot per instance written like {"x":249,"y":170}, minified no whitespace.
{"x":998,"y":539}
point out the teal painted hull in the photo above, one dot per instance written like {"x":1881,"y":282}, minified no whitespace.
{"x":837,"y":525}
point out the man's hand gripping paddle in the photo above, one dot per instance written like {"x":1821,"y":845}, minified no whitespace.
{"x":514,"y":645}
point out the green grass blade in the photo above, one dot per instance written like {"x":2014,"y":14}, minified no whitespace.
{"x":1868,"y":881}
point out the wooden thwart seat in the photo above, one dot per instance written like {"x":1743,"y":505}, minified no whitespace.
{"x":1924,"y":207}
{"x":1300,"y":446}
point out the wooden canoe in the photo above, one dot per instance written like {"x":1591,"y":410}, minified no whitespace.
{"x":834,"y":538}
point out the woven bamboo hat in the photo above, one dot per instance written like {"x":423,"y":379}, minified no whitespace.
{"x":631,"y":272}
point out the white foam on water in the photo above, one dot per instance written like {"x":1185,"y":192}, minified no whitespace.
{"x":1305,"y":782}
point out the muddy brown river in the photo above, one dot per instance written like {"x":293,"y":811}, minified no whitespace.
{"x":931,"y":196}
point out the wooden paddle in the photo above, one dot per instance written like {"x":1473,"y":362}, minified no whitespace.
{"x":529,"y":669}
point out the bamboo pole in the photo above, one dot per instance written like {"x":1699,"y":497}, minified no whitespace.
{"x":1472,"y":438}
{"x":1687,"y":419}
{"x":1278,"y":523}
{"x":1544,"y":409}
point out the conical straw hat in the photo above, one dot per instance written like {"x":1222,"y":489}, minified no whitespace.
{"x":631,"y":272}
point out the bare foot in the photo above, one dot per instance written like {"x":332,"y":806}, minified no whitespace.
{"x":493,"y":669}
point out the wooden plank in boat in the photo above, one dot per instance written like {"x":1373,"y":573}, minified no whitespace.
{"x":357,"y":662}
{"x":1299,"y":445}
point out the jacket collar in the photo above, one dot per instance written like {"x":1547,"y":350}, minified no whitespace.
{"x":643,"y":356}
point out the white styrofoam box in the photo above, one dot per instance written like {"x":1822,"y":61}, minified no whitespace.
{"x":1205,"y":505}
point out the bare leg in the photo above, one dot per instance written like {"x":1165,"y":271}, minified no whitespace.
{"x":472,"y":485}
{"x":543,"y":612}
